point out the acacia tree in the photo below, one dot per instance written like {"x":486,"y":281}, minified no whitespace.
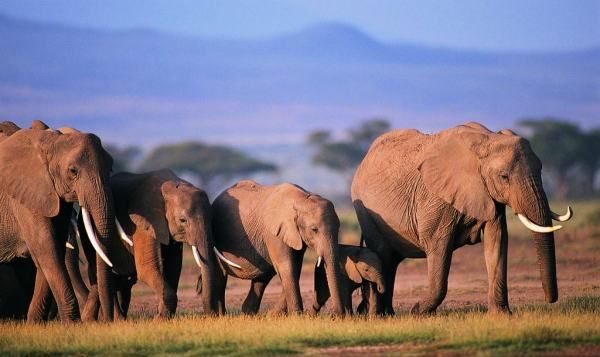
{"x":206,"y":162}
{"x":344,"y":155}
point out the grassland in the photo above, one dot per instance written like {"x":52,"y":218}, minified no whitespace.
{"x":573,"y":323}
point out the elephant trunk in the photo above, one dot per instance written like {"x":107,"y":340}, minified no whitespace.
{"x":204,"y":245}
{"x":103,"y":216}
{"x":379,"y":282}
{"x":332,"y":269}
{"x":535,"y":207}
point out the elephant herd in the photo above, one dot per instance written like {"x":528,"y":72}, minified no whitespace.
{"x":74,"y":238}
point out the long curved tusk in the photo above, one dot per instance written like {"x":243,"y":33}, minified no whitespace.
{"x":534,"y":227}
{"x":122,"y":233}
{"x":197,"y":256}
{"x":92,"y":236}
{"x":565,"y":217}
{"x":222,"y":257}
{"x":319,"y":261}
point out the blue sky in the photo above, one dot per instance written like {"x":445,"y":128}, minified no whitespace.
{"x":532,"y":25}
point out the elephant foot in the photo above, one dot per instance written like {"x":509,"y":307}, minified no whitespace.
{"x":499,"y":310}
{"x":249,"y":308}
{"x":362,"y":308}
{"x":417,"y":310}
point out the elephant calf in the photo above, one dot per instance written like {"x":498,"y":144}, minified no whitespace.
{"x":263,"y":231}
{"x":360,"y":267}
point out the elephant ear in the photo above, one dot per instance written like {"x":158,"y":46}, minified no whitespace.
{"x":352,"y":269}
{"x":450,"y":170}
{"x":147,"y":211}
{"x":283,"y":222}
{"x":24,"y":174}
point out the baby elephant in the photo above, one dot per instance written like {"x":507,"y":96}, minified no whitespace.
{"x":360,"y":267}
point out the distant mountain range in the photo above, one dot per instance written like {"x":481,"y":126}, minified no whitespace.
{"x":145,"y":87}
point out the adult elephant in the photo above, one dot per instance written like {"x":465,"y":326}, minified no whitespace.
{"x":41,"y":174}
{"x":263,"y":230}
{"x":423,"y":196}
{"x":160,"y":212}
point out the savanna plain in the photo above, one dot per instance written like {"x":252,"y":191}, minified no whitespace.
{"x":570,"y":327}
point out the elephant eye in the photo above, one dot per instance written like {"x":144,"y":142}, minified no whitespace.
{"x":182,"y":220}
{"x":73,"y":170}
{"x":314,"y":229}
{"x":504,"y":177}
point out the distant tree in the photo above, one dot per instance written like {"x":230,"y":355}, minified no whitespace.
{"x":590,"y":159}
{"x":565,"y":150}
{"x":206,"y":162}
{"x":123,"y":157}
{"x":344,"y":155}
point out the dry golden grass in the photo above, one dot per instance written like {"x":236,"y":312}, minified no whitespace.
{"x":574,"y":322}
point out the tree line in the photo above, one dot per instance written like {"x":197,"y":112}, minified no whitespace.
{"x":570,"y":155}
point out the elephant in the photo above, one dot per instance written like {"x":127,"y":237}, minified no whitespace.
{"x":261,"y":231}
{"x":361,"y":268}
{"x":160,"y":212}
{"x":42,"y":173}
{"x":423,"y":196}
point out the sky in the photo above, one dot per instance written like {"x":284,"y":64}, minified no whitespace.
{"x":515,"y":25}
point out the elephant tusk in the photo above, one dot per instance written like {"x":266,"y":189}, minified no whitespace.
{"x":565,"y":217}
{"x":319,"y":260}
{"x":197,"y":256}
{"x":69,"y":245}
{"x":222,"y":257}
{"x":534,"y":227}
{"x":92,"y":236}
{"x":122,"y":233}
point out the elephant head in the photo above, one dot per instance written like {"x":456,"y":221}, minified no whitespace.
{"x":478,"y":171}
{"x":363,"y":264}
{"x":42,"y":168}
{"x":170,"y":207}
{"x":297,"y":218}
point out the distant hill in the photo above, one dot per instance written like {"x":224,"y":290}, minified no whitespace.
{"x":128,"y":85}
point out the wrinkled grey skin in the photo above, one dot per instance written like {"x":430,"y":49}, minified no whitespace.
{"x":423,"y":196}
{"x":41,"y":174}
{"x":266,"y":229}
{"x":361,"y":268}
{"x":159,"y":211}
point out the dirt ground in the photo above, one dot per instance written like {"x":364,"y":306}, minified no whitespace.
{"x":578,"y":269}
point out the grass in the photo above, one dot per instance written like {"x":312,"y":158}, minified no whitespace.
{"x":532,"y":328}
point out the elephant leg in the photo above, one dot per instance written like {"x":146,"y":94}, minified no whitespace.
{"x":372,"y":298}
{"x":365,"y":303}
{"x":257,"y":289}
{"x":123,"y":294}
{"x":167,"y":297}
{"x":280,"y":307}
{"x":438,"y":268}
{"x":150,"y":270}
{"x":41,"y":300}
{"x":49,"y":254}
{"x":495,"y":246}
{"x":92,"y":305}
{"x":220,"y":285}
{"x":321,"y":292}
{"x":385,"y":300}
{"x":289,"y":272}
